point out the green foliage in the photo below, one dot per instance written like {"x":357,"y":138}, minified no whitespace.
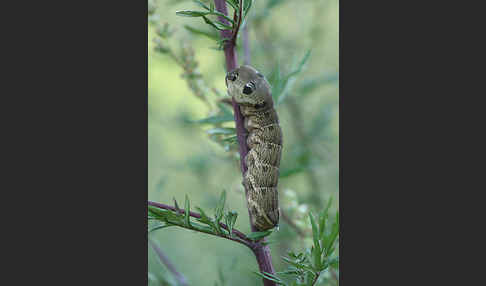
{"x":306,"y":267}
{"x":224,"y":136}
{"x":282,"y":83}
{"x":210,"y":34}
{"x":302,"y":82}
{"x":205,"y":224}
{"x":269,"y":6}
{"x":257,"y":235}
{"x":311,"y":84}
{"x":218,"y":25}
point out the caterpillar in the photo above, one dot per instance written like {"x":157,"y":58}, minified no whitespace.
{"x":252,"y":93}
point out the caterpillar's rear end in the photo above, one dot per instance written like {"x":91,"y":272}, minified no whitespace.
{"x":252,"y":93}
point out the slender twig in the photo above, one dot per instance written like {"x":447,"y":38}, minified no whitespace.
{"x":240,"y":237}
{"x":240,"y":19}
{"x":261,"y":251}
{"x":246,"y":46}
{"x":165,"y":260}
{"x":289,"y":221}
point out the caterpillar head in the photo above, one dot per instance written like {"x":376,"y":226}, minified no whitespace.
{"x":249,"y":87}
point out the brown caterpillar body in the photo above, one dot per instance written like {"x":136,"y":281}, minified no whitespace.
{"x":252,"y":93}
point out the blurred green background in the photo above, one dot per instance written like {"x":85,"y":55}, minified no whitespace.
{"x":183,"y":160}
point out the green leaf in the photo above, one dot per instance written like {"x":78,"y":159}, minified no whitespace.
{"x":204,"y":218}
{"x":176,"y":205}
{"x":230,"y":219}
{"x":220,"y":211}
{"x":292,"y":271}
{"x":220,"y":206}
{"x":275,"y":81}
{"x":332,"y":237}
{"x":315,"y":231}
{"x":268,"y":242}
{"x":211,"y":35}
{"x":316,"y":251}
{"x":234,"y":4}
{"x":216,"y":119}
{"x":216,"y":24}
{"x":323,"y":219}
{"x":292,"y":74}
{"x":202,"y":228}
{"x":294,"y":263}
{"x":231,"y":139}
{"x":221,"y":131}
{"x":187,"y":210}
{"x":190,"y":13}
{"x":257,"y":235}
{"x":309,"y":277}
{"x":224,"y":109}
{"x":202,"y":4}
{"x":316,"y":257}
{"x":155,"y":211}
{"x":246,"y":7}
{"x":207,"y":220}
{"x":216,"y":13}
{"x":270,"y":277}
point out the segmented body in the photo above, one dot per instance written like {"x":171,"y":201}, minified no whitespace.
{"x":252,"y":92}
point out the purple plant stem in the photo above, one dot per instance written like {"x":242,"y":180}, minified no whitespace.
{"x":229,"y":47}
{"x":163,"y":258}
{"x":262,"y":252}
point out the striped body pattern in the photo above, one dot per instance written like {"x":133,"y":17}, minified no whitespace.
{"x":252,"y":92}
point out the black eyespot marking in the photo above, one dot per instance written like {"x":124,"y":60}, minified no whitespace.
{"x":258,"y":106}
{"x":232,"y":76}
{"x":249,"y":88}
{"x":259,"y":74}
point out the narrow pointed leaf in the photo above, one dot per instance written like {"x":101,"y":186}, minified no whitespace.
{"x":202,"y":4}
{"x":213,"y":36}
{"x":187,"y":210}
{"x":190,"y":13}
{"x":257,"y":235}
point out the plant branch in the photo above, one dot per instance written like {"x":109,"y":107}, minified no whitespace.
{"x":165,"y":260}
{"x":240,"y":19}
{"x":240,"y":237}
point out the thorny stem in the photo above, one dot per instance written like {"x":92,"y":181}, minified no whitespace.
{"x":262,"y":252}
{"x":165,"y":260}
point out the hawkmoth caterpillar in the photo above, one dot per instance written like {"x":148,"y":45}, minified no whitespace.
{"x":252,"y":93}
